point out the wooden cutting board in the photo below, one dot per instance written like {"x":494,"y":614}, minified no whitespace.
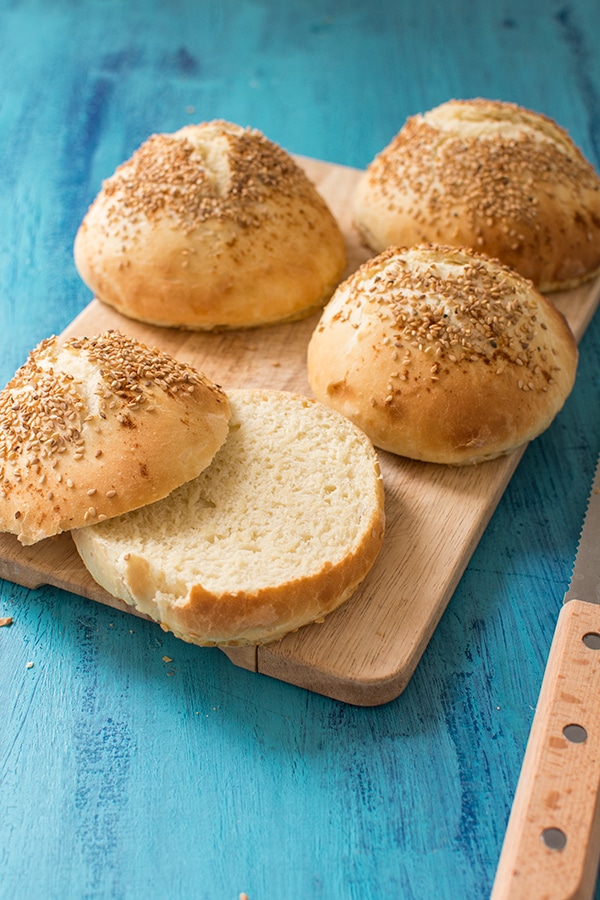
{"x":366,"y":651}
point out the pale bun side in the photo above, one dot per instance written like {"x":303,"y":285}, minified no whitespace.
{"x":276,"y":533}
{"x":94,"y":427}
{"x":493,"y":176}
{"x":211,"y":227}
{"x":443,"y":355}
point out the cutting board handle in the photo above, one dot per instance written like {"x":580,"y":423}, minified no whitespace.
{"x":552,"y":842}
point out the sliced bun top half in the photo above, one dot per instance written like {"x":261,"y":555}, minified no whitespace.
{"x":93,"y":427}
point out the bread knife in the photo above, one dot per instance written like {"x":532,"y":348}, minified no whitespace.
{"x":551,"y":847}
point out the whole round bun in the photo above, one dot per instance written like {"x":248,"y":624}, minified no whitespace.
{"x":213,"y":226}
{"x":93,"y":427}
{"x":442,"y":354}
{"x":503,"y":180}
{"x":276,"y":533}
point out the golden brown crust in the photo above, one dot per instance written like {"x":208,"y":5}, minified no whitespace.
{"x":443,"y":355}
{"x":211,"y":227}
{"x":489,"y":175}
{"x":237,"y":619}
{"x":94,"y":427}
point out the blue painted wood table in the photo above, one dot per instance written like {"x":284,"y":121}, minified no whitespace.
{"x":133,"y":765}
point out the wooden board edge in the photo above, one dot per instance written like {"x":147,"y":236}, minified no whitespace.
{"x":277,"y":661}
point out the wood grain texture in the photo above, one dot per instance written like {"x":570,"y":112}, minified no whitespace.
{"x":366,"y":651}
{"x":559,"y":784}
{"x":125,"y":775}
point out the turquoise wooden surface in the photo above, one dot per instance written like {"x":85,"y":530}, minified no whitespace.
{"x":125,"y":776}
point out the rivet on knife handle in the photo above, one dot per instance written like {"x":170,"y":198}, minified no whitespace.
{"x":552,"y":842}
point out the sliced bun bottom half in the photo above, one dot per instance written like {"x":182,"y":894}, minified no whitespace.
{"x":276,"y":533}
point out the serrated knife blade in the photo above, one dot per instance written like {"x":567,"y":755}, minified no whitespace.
{"x":551,"y":847}
{"x":585,"y":580}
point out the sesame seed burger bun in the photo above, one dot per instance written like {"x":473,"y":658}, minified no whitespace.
{"x":211,"y":227}
{"x":489,"y":175}
{"x":95,"y":427}
{"x":442,"y":354}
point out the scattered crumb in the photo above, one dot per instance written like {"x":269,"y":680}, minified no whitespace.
{"x":167,"y":659}
{"x":7,"y":620}
{"x":29,"y":665}
{"x":244,"y":896}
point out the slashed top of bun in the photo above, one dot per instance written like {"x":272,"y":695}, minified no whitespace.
{"x":93,"y":427}
{"x":215,"y":170}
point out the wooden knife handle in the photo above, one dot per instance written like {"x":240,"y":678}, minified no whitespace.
{"x":552,"y":842}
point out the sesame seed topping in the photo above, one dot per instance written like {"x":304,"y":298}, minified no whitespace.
{"x":171,"y":174}
{"x":451,"y":305}
{"x":471,"y":156}
{"x":45,"y":422}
